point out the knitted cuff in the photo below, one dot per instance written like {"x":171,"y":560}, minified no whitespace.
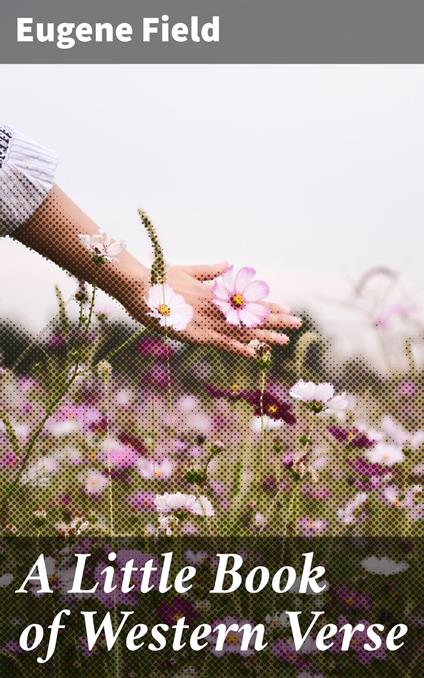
{"x":27,"y":173}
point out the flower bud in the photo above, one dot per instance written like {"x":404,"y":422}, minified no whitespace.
{"x":104,"y":371}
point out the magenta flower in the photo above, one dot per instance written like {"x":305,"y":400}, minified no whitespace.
{"x":233,"y":639}
{"x":142,"y":501}
{"x":285,"y":651}
{"x":264,"y":404}
{"x":355,"y":600}
{"x":238,"y":296}
{"x":155,"y":347}
{"x":352,"y":438}
{"x":170,"y":613}
{"x":357,"y":644}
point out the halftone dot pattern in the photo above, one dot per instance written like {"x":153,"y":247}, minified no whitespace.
{"x":125,"y":437}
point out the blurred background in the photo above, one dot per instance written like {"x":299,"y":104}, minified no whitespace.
{"x":312,"y":174}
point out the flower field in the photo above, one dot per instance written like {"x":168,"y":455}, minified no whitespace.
{"x":161,"y":437}
{"x":124,"y":443}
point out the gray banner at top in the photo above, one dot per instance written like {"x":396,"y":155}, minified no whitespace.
{"x":250,"y":31}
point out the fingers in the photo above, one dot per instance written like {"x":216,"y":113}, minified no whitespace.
{"x":207,"y":271}
{"x":283,"y":320}
{"x":235,"y":346}
{"x":277,"y":308}
{"x":240,"y":345}
{"x":269,"y":337}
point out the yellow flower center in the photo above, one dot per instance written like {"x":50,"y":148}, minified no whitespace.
{"x":164,"y":309}
{"x":272,"y":409}
{"x":157,"y":473}
{"x":237,"y":300}
{"x":232,"y":639}
{"x":176,"y":616}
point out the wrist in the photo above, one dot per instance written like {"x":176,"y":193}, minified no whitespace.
{"x":130,"y":288}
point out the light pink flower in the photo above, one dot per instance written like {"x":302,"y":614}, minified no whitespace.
{"x":238,"y":296}
{"x":403,"y":311}
{"x":95,"y":483}
{"x":102,"y":246}
{"x":118,"y":455}
{"x":160,"y":470}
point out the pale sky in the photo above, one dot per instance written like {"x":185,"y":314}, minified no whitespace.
{"x":312,"y":174}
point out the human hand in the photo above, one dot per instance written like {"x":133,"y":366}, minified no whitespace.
{"x":208,"y":325}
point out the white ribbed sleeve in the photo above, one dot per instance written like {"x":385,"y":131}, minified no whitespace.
{"x":27,"y":172}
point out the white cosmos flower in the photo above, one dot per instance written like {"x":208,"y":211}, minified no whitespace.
{"x":278,"y":620}
{"x":338,"y":406}
{"x":63,"y":428}
{"x":5,"y":580}
{"x":38,"y":474}
{"x":401,"y":437}
{"x":102,"y":246}
{"x":267,"y":423}
{"x":308,"y":392}
{"x":168,"y":503}
{"x":386,"y":454}
{"x":383,"y":566}
{"x":321,"y":398}
{"x":165,"y":525}
{"x":346,"y":514}
{"x":203,"y":507}
{"x":168,"y":307}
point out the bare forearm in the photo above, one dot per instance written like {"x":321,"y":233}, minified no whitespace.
{"x":54,"y":231}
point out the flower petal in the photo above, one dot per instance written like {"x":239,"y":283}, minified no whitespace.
{"x":228,"y":279}
{"x":155,"y":296}
{"x":324,"y":392}
{"x":253,"y":315}
{"x":219,"y":290}
{"x":233,"y":317}
{"x":224,"y":306}
{"x":256,"y":290}
{"x":243,"y":278}
{"x":303,"y":390}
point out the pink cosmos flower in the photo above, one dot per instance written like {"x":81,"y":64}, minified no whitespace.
{"x":238,"y":296}
{"x":403,"y":311}
{"x":95,"y":483}
{"x":312,"y":527}
{"x":159,"y":470}
{"x":118,"y":455}
{"x":142,"y":501}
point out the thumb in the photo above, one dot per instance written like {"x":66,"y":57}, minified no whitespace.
{"x":207,"y":271}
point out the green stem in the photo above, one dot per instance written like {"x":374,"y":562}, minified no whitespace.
{"x":124,"y":344}
{"x":293,"y":509}
{"x":90,"y":313}
{"x":31,"y":444}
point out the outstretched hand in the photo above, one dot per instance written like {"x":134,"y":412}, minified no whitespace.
{"x":208,"y":325}
{"x":55,"y":231}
